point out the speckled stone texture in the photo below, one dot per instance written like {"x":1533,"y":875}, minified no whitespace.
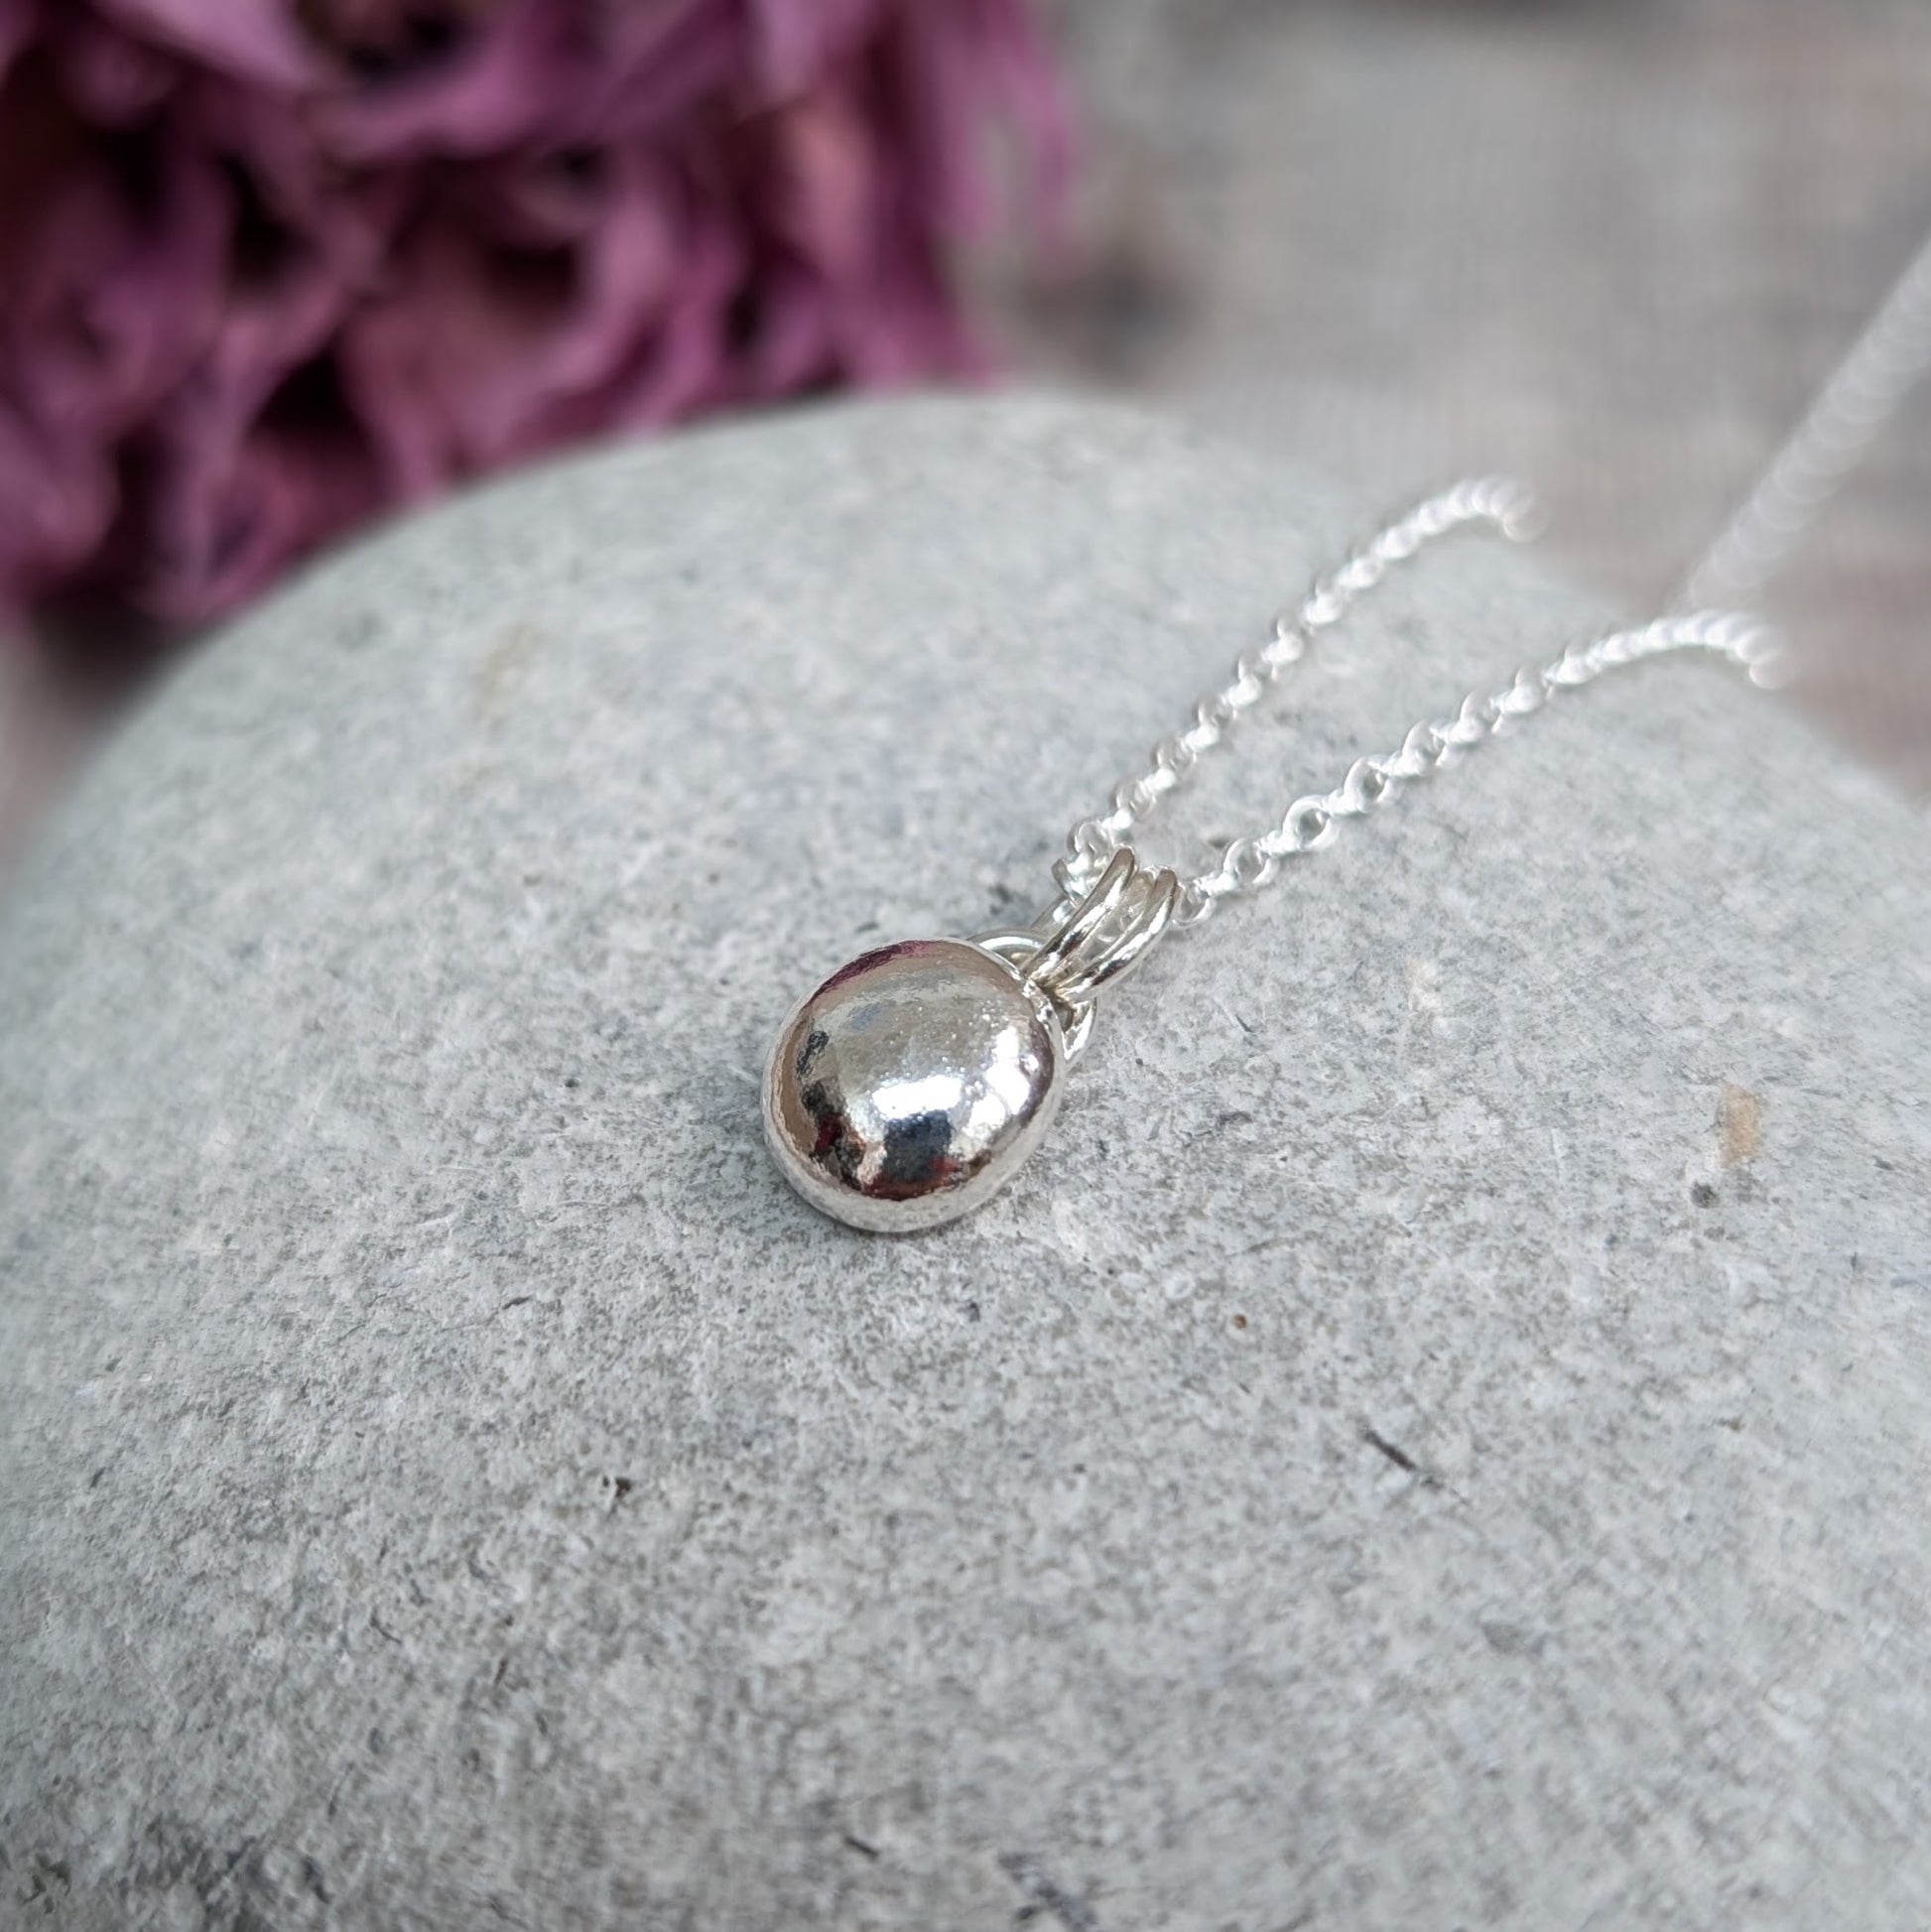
{"x":1438,"y":1437}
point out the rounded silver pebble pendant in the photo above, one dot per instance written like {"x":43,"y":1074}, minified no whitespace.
{"x":914,"y":1083}
{"x":911,"y":1086}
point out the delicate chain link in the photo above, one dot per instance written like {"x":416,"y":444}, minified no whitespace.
{"x":1497,"y":502}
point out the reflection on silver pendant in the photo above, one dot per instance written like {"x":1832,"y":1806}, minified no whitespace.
{"x":912,"y":1085}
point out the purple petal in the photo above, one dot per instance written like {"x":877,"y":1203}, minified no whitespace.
{"x":796,"y":42}
{"x":681,"y":367}
{"x":794,"y":346}
{"x":503,"y":86}
{"x":254,"y":40}
{"x":55,"y":505}
{"x":113,"y":321}
{"x":656,"y":64}
{"x":19,"y":19}
{"x":476,"y":354}
{"x":230,"y":520}
{"x":110,"y":76}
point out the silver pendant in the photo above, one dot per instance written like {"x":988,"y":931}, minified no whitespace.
{"x":915,"y":1082}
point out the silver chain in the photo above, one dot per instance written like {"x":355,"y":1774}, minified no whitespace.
{"x":1497,"y":503}
{"x":1883,"y":365}
{"x":1852,"y":410}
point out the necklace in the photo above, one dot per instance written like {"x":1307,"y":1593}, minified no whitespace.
{"x":915,"y":1082}
{"x":912,"y":1085}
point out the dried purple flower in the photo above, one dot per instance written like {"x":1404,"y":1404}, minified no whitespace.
{"x":268,"y":266}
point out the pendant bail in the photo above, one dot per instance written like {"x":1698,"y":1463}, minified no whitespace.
{"x":1080,"y":945}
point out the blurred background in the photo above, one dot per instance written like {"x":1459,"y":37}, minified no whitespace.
{"x":269,"y":273}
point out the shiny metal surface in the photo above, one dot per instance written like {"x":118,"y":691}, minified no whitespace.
{"x":912,"y":1085}
{"x":1087,"y":941}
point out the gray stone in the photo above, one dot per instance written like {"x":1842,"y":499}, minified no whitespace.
{"x":1438,"y":1437}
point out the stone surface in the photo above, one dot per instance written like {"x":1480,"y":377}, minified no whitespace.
{"x":1437,"y":1437}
